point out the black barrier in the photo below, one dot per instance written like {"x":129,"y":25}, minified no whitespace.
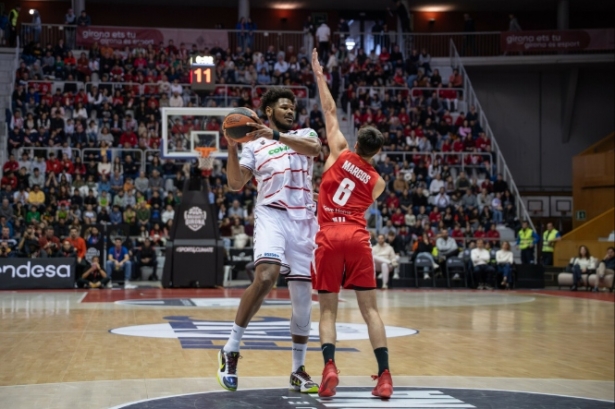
{"x":195,"y":257}
{"x":37,"y":273}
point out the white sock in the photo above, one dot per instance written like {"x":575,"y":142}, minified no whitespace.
{"x":299,"y":351}
{"x":232,"y":345}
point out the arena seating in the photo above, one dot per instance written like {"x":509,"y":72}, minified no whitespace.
{"x":437,"y":161}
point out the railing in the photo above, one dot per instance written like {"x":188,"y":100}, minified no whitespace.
{"x":137,"y":155}
{"x":472,"y":99}
{"x":141,"y":89}
{"x":476,"y":44}
{"x":4,"y":139}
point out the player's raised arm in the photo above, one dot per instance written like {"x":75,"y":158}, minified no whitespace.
{"x":337,"y":142}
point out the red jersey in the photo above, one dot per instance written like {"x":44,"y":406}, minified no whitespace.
{"x":346,"y":190}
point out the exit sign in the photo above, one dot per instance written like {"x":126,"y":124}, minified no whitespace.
{"x":581,"y":215}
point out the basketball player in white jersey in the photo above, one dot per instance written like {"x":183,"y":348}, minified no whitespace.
{"x":285,"y":226}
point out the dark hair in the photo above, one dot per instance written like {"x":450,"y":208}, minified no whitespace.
{"x":369,"y":141}
{"x":586,"y":251}
{"x":272,"y":96}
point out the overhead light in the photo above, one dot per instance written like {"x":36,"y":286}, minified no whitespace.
{"x":435,"y":9}
{"x":31,"y":11}
{"x":287,"y":5}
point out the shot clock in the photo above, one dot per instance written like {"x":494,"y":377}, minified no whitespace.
{"x":202,"y":73}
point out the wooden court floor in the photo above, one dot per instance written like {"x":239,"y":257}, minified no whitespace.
{"x":108,"y":347}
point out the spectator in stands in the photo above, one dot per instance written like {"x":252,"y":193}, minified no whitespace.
{"x":513,"y":24}
{"x":84,"y":20}
{"x":119,"y":259}
{"x":583,"y":263}
{"x":385,"y":259}
{"x":455,"y":80}
{"x":146,"y":257}
{"x":483,"y":272}
{"x":526,"y":240}
{"x":500,"y":185}
{"x":605,"y":268}
{"x":505,"y":260}
{"x":323,"y":34}
{"x":425,"y":248}
{"x":78,"y":244}
{"x":447,"y":246}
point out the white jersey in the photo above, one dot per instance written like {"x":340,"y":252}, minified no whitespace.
{"x":284,"y":176}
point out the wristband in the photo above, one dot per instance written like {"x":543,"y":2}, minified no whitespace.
{"x":276,"y":135}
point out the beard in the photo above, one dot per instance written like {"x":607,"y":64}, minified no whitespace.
{"x":281,"y":126}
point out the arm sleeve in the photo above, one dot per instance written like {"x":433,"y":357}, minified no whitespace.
{"x":247,"y":159}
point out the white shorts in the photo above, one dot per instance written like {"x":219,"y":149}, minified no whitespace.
{"x":280,"y":240}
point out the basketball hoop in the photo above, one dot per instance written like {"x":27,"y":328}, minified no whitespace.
{"x":206,"y":161}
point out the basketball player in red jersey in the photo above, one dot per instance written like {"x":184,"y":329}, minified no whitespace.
{"x":343,"y":256}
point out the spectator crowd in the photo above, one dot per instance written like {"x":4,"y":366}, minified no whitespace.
{"x":437,"y":161}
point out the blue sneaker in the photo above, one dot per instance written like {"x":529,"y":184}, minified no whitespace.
{"x":227,"y":370}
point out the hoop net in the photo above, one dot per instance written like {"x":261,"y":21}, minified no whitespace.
{"x":206,"y":161}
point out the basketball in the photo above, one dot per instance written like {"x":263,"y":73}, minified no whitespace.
{"x":235,"y":124}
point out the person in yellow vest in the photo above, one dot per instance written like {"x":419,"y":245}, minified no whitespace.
{"x":526,"y":240}
{"x":549,"y":238}
{"x":12,"y":33}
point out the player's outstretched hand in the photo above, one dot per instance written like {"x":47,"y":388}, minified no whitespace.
{"x":230,"y":141}
{"x":316,"y":67}
{"x":260,"y":131}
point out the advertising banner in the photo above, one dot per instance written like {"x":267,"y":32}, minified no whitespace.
{"x":122,"y":37}
{"x":36,"y":273}
{"x":565,"y":40}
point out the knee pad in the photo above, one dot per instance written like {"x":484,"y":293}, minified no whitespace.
{"x":301,"y":299}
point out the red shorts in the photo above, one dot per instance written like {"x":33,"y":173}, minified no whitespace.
{"x":343,"y":258}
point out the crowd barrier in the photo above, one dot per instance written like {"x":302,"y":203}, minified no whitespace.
{"x":37,"y":273}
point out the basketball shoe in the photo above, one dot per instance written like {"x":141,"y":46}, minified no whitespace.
{"x":384,"y":387}
{"x":300,"y":381}
{"x":330,"y":380}
{"x":227,"y":370}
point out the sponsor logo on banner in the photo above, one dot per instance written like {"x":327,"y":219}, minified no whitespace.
{"x":267,"y":333}
{"x":195,"y":218}
{"x":36,"y":270}
{"x":563,"y":40}
{"x":16,"y":273}
{"x":194,"y":249}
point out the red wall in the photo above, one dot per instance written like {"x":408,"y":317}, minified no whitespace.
{"x":52,"y":12}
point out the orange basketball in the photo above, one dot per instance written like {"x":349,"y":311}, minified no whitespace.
{"x":235,"y":124}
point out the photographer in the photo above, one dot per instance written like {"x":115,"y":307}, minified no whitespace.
{"x":5,"y":249}
{"x":28,"y":245}
{"x":94,"y":277}
{"x":49,"y":240}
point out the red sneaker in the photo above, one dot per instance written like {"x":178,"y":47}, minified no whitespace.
{"x":384,"y":387}
{"x":330,"y":380}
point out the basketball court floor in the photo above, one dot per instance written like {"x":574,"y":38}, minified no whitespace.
{"x":154,"y":348}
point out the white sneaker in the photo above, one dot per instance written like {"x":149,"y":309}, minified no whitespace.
{"x":128,"y":286}
{"x":385,"y":286}
{"x":456,"y":277}
{"x":379,"y":276}
{"x":425,"y":276}
{"x":300,"y":381}
{"x":396,"y":276}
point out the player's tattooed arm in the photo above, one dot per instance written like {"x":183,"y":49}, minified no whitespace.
{"x":335,"y":138}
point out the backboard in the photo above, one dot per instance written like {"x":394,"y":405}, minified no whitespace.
{"x":184,"y":129}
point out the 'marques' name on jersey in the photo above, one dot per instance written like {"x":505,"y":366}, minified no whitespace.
{"x":356,"y":172}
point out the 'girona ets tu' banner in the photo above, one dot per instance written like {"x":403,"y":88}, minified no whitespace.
{"x":564,"y":40}
{"x":121,"y":37}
